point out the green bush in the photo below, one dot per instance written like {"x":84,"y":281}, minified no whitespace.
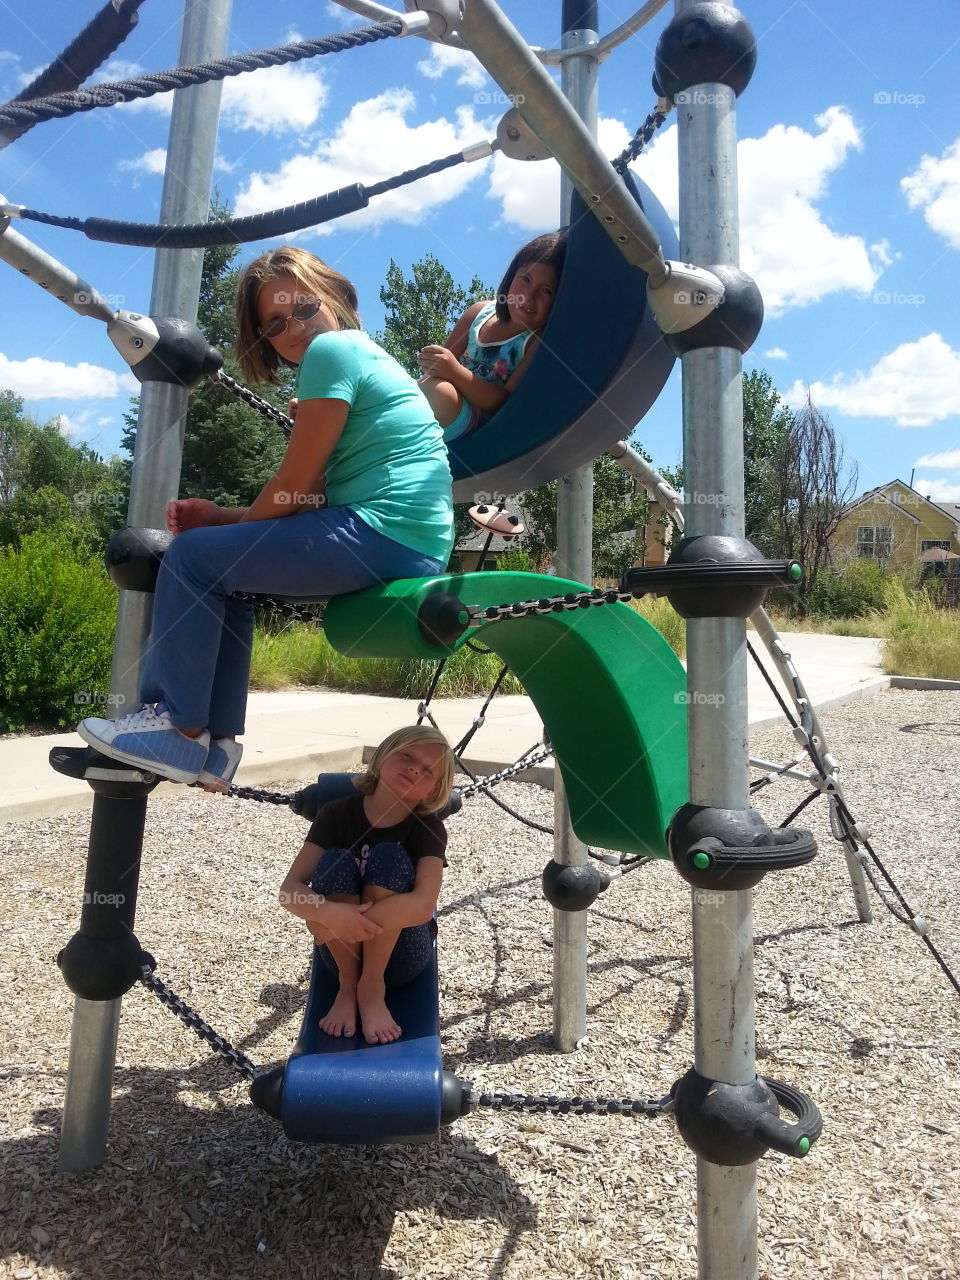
{"x":57,"y":618}
{"x":513,"y":560}
{"x":857,"y":589}
{"x":922,"y":639}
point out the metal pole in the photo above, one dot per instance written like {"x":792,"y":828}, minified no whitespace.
{"x":574,"y":560}
{"x":717,"y":666}
{"x":154,"y":482}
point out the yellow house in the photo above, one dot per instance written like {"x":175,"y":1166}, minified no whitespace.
{"x":895,"y":525}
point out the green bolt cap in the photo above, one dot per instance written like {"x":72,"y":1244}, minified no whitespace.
{"x":701,"y":860}
{"x":803,"y":1146}
{"x":463,"y":617}
{"x":796,"y":572}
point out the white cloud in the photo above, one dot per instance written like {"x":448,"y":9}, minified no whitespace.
{"x":39,"y":379}
{"x":786,"y":245}
{"x":916,"y":384}
{"x":937,"y":490}
{"x":948,"y":460}
{"x":275,"y":99}
{"x":529,"y":190}
{"x":775,"y":353}
{"x":371,"y":143}
{"x":271,"y":100}
{"x":934,"y":187}
{"x":154,"y":161}
{"x":443,"y":58}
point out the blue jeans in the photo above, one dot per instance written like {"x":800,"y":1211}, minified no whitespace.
{"x":198,"y":661}
{"x":387,"y":865}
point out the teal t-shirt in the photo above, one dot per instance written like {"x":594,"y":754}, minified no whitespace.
{"x":390,"y":464}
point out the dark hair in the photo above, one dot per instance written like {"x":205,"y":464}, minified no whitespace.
{"x":550,"y":249}
{"x":256,"y":355}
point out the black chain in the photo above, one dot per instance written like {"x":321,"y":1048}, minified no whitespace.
{"x":653,"y":122}
{"x":543,"y":1103}
{"x":585,"y":599}
{"x":312,"y":613}
{"x":222,"y":379}
{"x":239,"y":1061}
{"x":262,"y":797}
{"x":526,"y":761}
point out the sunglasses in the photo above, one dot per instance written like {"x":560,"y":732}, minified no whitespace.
{"x":303,"y":313}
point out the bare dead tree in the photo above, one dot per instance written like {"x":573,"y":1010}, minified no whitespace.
{"x":813,"y":483}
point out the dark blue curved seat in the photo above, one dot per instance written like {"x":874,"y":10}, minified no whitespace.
{"x":601,"y":364}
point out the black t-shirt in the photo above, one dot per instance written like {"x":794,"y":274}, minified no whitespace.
{"x":342,"y":824}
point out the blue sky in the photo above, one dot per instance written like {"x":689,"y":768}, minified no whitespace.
{"x":849,"y":169}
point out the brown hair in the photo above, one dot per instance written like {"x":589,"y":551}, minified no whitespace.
{"x":549,"y":249}
{"x":258,"y":360}
{"x":410,"y":736}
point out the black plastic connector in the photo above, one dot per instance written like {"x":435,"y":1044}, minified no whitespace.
{"x":705,"y":44}
{"x":713,"y":576}
{"x":569,"y":888}
{"x":134,"y":556}
{"x":730,"y":1124}
{"x":733,"y":848}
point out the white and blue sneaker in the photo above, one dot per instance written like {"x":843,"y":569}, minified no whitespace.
{"x":222,"y":760}
{"x":148,"y":739}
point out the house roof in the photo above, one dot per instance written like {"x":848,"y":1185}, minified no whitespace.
{"x":949,"y":509}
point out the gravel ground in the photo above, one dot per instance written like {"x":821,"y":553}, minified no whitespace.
{"x":197,"y":1183}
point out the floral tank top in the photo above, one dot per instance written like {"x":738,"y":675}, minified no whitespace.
{"x":493,"y":361}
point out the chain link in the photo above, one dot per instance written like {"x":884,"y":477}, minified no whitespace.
{"x":547,"y":1104}
{"x":585,"y":599}
{"x":491,"y":780}
{"x":653,"y":122}
{"x":239,"y":1061}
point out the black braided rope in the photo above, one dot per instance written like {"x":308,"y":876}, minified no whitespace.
{"x":544,"y":1103}
{"x":239,"y":1061}
{"x":61,"y":105}
{"x":414,"y":175}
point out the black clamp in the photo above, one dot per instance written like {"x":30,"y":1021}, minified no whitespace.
{"x":707,"y":43}
{"x":573,"y":888}
{"x":443,"y":618}
{"x":733,"y":848}
{"x":731,"y":1124}
{"x":714,"y":576}
{"x":133,"y":557}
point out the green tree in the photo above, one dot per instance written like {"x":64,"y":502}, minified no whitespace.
{"x":620,"y":511}
{"x":766,"y":426}
{"x":421,"y":311}
{"x":49,"y":483}
{"x":229,"y":449}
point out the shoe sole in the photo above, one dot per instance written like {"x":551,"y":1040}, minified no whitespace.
{"x":148,"y":766}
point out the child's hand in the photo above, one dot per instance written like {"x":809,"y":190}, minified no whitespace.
{"x":436,"y":362}
{"x":349,"y":923}
{"x":191,"y":513}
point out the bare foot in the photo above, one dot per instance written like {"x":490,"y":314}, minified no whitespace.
{"x":377,"y":1020}
{"x":342,"y":1018}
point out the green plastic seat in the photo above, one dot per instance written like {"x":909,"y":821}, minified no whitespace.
{"x":604,"y":681}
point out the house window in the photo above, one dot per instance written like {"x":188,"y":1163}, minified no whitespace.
{"x":874,"y":540}
{"x":942,"y":543}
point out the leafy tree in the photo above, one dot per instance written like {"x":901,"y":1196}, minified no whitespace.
{"x":229,"y":449}
{"x":619,"y":512}
{"x":48,"y":483}
{"x":421,"y":311}
{"x":766,"y":426}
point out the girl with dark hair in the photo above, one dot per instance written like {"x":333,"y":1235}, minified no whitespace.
{"x":472,"y":374}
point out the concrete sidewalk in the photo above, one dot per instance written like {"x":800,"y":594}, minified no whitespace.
{"x":300,"y":733}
